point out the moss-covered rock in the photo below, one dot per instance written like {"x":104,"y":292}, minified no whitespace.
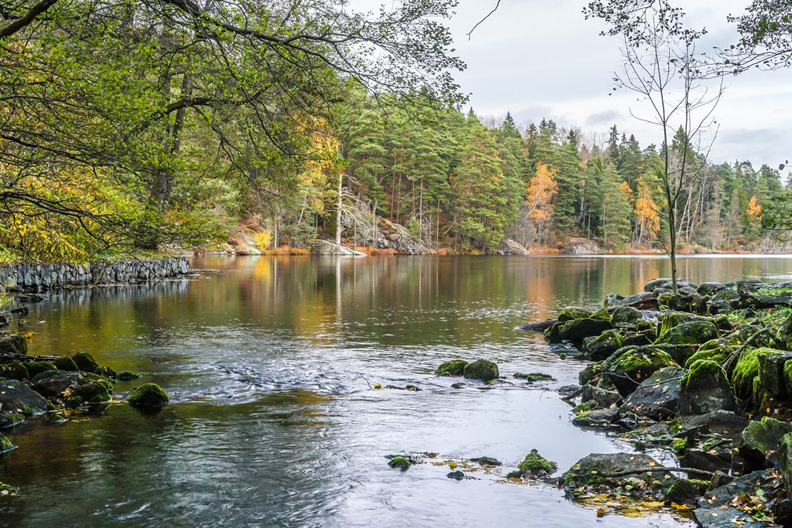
{"x":785,"y":461}
{"x":571,"y":313}
{"x":107,"y":372}
{"x":759,"y":440}
{"x":37,"y":367}
{"x":657,"y":397}
{"x":536,"y":466}
{"x":679,"y":446}
{"x":771,"y":373}
{"x":690,"y":333}
{"x":400,"y":462}
{"x":14,"y":370}
{"x":686,"y":491}
{"x":705,"y":389}
{"x":148,"y":396}
{"x":126,"y":375}
{"x":13,"y":344}
{"x":455,"y":367}
{"x":713,"y":354}
{"x":576,"y":330}
{"x":66,"y":363}
{"x":85,"y":362}
{"x":596,"y":469}
{"x":590,"y":372}
{"x":631,"y":365}
{"x":672,"y":319}
{"x":94,"y":392}
{"x":5,"y":444}
{"x":534,"y":377}
{"x":481,"y":369}
{"x":602,"y":346}
{"x":625,"y":315}
{"x":746,"y":370}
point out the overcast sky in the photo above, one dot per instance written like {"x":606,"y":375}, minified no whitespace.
{"x":540,"y":58}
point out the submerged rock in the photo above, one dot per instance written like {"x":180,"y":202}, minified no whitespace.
{"x":534,"y":377}
{"x":456,"y":475}
{"x":541,"y":326}
{"x":455,"y":367}
{"x":486,"y":461}
{"x":481,"y":369}
{"x":149,"y":396}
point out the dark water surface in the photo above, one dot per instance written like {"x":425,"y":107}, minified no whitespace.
{"x":269,"y":364}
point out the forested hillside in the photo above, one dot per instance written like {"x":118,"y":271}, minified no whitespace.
{"x":466,"y":183}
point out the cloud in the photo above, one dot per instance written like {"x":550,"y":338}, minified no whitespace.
{"x":602,"y":118}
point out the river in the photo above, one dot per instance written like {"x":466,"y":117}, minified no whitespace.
{"x":271,"y":364}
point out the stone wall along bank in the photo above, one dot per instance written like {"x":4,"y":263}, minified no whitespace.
{"x":44,"y":277}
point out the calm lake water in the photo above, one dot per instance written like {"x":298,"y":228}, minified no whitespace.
{"x":270,"y":362}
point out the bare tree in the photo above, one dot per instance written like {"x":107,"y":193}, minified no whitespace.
{"x":661,"y":66}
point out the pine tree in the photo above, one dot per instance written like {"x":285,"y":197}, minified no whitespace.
{"x":616,"y":209}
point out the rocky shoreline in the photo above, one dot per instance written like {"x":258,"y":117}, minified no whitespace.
{"x":704,"y":373}
{"x":56,"y":388}
{"x":43,"y":277}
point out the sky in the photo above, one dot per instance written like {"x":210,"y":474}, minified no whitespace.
{"x":541,"y":58}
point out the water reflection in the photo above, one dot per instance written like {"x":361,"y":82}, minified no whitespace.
{"x":270,"y":365}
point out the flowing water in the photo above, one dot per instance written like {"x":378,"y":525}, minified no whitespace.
{"x":271,"y":365}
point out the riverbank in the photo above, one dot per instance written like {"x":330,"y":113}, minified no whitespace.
{"x":41,"y":277}
{"x":705,"y":374}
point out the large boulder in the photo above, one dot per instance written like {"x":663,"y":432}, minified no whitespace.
{"x":758,"y":441}
{"x":640,"y":301}
{"x":626,"y":315}
{"x":85,"y":362}
{"x":657,"y":397}
{"x":597,"y":470}
{"x":725,"y":424}
{"x":602,"y":346}
{"x":455,"y":367}
{"x":18,"y":401}
{"x":630,"y":366}
{"x":12,"y":345}
{"x":672,"y":319}
{"x":705,"y":389}
{"x":746,"y":372}
{"x":52,"y":383}
{"x":576,"y":330}
{"x":570,"y":313}
{"x":690,"y":333}
{"x":481,"y":369}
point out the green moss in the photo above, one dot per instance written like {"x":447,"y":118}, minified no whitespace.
{"x":679,"y":446}
{"x":534,"y":376}
{"x":689,"y":333}
{"x":685,"y":490}
{"x":455,"y":367}
{"x":85,"y":362}
{"x":481,"y":370}
{"x":640,"y":364}
{"x":573,"y":312}
{"x":5,"y":444}
{"x":746,"y":370}
{"x":602,"y":314}
{"x":712,"y":354}
{"x":703,"y":372}
{"x":93,"y":392}
{"x":536,"y":464}
{"x":399,"y":462}
{"x":148,"y":396}
{"x":66,"y":363}
{"x":38,"y":367}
